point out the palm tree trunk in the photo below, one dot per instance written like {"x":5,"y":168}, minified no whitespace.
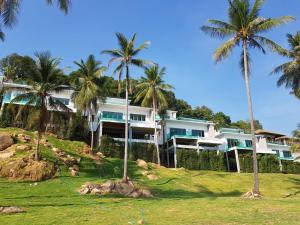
{"x":255,"y":168}
{"x":155,"y":131}
{"x":125,"y":175}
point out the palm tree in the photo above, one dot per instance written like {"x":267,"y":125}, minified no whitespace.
{"x":9,"y":10}
{"x":126,"y":56}
{"x":89,"y":87}
{"x":152,"y":91}
{"x":290,"y":70}
{"x":244,"y":28}
{"x":45,"y":81}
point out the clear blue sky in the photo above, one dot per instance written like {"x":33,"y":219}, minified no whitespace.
{"x":172,"y":26}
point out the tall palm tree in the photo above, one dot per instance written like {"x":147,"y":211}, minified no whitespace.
{"x":245,"y":28}
{"x":89,"y":87}
{"x":9,"y":9}
{"x":152,"y":91}
{"x":290,"y":71}
{"x":45,"y":81}
{"x":126,"y":56}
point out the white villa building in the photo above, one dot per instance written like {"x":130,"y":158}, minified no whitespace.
{"x":173,"y":131}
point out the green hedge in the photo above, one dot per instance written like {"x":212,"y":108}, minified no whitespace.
{"x":111,"y":148}
{"x":205,"y":160}
{"x":290,"y":167}
{"x":266,"y":163}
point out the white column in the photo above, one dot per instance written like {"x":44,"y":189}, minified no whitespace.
{"x":100,"y":133}
{"x":175,"y":156}
{"x":280,"y":164}
{"x":237,"y":161}
{"x":198,"y":148}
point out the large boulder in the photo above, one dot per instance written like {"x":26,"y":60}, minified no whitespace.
{"x":142,"y":164}
{"x":5,"y":142}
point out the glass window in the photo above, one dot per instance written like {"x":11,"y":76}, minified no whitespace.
{"x":65,"y":101}
{"x":137,"y":117}
{"x":232,"y":142}
{"x":177,"y":131}
{"x":287,"y":154}
{"x":198,"y":133}
{"x":248,"y":143}
{"x":112,"y":115}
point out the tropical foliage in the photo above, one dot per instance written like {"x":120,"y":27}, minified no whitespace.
{"x":290,"y":71}
{"x":89,"y":86}
{"x":152,"y":92}
{"x":245,"y":28}
{"x":43,"y":82}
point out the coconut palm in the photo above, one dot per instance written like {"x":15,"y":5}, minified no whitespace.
{"x":245,"y":28}
{"x":152,"y":91}
{"x":290,"y":71}
{"x":89,"y":87}
{"x":126,"y":57}
{"x":9,"y":10}
{"x":44,"y":81}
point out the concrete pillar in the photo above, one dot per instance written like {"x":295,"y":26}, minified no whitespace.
{"x":227,"y":161}
{"x":100,"y":133}
{"x":198,"y":148}
{"x":280,"y":164}
{"x":130,"y":134}
{"x":237,"y":160}
{"x":175,"y":156}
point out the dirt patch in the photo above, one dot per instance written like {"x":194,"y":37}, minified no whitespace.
{"x":119,"y":187}
{"x":26,"y":169}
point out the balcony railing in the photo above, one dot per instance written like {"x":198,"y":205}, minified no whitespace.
{"x":240,"y":145}
{"x":276,"y":143}
{"x":190,"y":136}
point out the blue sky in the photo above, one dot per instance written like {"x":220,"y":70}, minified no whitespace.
{"x":172,"y":26}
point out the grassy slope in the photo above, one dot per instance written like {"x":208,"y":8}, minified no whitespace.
{"x":182,"y":197}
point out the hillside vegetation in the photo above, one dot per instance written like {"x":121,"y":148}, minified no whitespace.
{"x":181,"y":196}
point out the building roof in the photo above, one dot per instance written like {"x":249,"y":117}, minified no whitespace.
{"x":271,"y":133}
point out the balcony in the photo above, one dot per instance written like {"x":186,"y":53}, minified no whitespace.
{"x":112,"y":116}
{"x":239,"y":145}
{"x":279,"y":143}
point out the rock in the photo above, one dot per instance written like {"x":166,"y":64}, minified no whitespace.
{"x":47,"y":145}
{"x":10,"y":209}
{"x":152,"y":177}
{"x":146,"y":193}
{"x":96,"y":191}
{"x":108,"y":186}
{"x":85,"y":191}
{"x":154,"y":165}
{"x":75,"y":167}
{"x":141,"y":222}
{"x":69,"y":161}
{"x":5,"y":142}
{"x":142,"y":164}
{"x":27,"y":138}
{"x":23,"y":147}
{"x":124,"y":188}
{"x":7,"y":153}
{"x":145,"y":173}
{"x":100,"y":155}
{"x":74,"y":173}
{"x":55,"y":150}
{"x":135,"y":194}
{"x":86,"y":149}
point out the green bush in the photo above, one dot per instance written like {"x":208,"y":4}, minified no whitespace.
{"x":266,"y":163}
{"x":290,"y":167}
{"x":205,"y":160}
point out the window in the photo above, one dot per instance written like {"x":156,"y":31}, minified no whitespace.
{"x":232,"y":142}
{"x":248,"y":143}
{"x":287,"y":154}
{"x":177,"y":131}
{"x":277,"y":152}
{"x":112,"y":115}
{"x":137,"y":117}
{"x":65,"y":101}
{"x":198,"y":133}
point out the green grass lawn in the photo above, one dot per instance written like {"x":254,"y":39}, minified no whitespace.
{"x":181,"y":197}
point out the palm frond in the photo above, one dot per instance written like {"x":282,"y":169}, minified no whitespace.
{"x":217,"y":31}
{"x":271,"y":23}
{"x":63,"y":5}
{"x":9,"y":10}
{"x":225,"y":49}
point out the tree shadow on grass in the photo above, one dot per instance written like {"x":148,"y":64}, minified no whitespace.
{"x":297,"y":187}
{"x":201,"y":192}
